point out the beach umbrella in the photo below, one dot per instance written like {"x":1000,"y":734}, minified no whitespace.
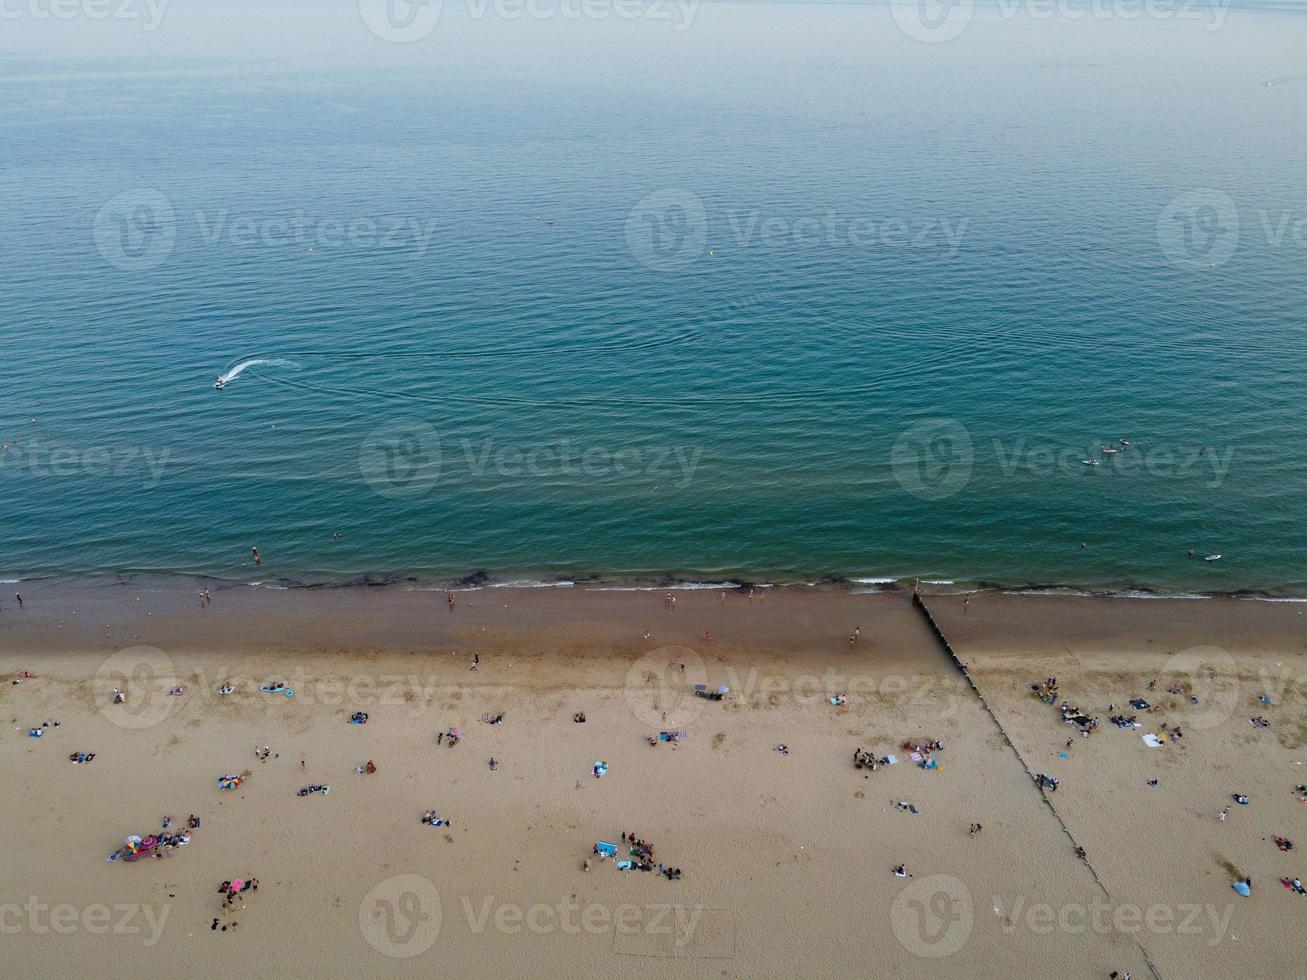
{"x":1242,"y":888}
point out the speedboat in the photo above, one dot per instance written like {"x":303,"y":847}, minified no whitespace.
{"x":1212,"y":558}
{"x":1090,"y":462}
{"x":1109,"y":450}
{"x":220,"y":384}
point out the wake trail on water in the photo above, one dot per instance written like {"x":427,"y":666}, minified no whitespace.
{"x":233,"y":373}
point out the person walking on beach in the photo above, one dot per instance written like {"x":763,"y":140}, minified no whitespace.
{"x":20,"y":600}
{"x":853,"y":637}
{"x":449,"y":597}
{"x":966,"y":604}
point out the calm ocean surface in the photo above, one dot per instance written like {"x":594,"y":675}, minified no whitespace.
{"x":779,"y":293}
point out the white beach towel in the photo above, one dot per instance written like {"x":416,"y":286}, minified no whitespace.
{"x":1151,"y":740}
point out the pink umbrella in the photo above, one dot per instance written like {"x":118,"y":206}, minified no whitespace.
{"x":236,"y":884}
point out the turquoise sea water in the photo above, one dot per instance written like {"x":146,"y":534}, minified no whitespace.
{"x":807,"y":297}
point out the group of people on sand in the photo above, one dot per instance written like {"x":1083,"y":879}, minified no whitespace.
{"x":641,"y":856}
{"x":311,"y":789}
{"x":430,"y":819}
{"x":1047,"y":691}
{"x":925,"y":748}
{"x":452,"y":735}
{"x":231,"y":891}
{"x":863,"y":759}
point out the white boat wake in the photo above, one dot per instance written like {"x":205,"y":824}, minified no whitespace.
{"x":231,"y":374}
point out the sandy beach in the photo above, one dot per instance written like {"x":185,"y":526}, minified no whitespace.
{"x":786,"y":858}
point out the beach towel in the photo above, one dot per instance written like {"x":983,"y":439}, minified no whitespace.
{"x":1064,"y":755}
{"x":892,"y":760}
{"x":606,"y":849}
{"x":701,"y":687}
{"x":916,"y":757}
{"x":1151,"y":740}
{"x":624,"y":865}
{"x":1139,"y":704}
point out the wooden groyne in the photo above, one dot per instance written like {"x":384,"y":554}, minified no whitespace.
{"x":971,"y":681}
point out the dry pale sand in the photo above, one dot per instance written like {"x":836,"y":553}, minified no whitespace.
{"x":786,"y":859}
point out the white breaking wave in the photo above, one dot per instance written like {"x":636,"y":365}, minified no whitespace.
{"x":233,"y":373}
